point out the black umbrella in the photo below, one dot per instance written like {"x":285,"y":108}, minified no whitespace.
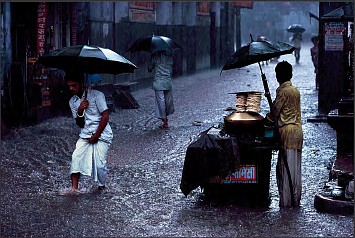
{"x":295,"y":28}
{"x":153,"y":44}
{"x":87,"y":59}
{"x":255,"y":52}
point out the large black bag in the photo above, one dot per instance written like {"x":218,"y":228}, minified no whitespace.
{"x":207,"y":157}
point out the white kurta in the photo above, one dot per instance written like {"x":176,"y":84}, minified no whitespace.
{"x":97,"y":104}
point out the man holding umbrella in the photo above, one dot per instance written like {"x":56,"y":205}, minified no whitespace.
{"x":162,"y":62}
{"x":287,"y":112}
{"x":161,"y":49}
{"x":88,"y":106}
{"x":90,"y":111}
{"x":296,"y":38}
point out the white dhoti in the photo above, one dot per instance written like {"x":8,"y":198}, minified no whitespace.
{"x":294,"y":163}
{"x":90,"y":160}
{"x":164,"y":103}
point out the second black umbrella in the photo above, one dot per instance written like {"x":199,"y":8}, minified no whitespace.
{"x":153,"y":44}
{"x":295,"y":28}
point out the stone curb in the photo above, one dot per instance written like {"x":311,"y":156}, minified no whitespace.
{"x":329,"y":205}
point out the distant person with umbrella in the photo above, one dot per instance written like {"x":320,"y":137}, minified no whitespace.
{"x":162,"y":63}
{"x":91,"y":114}
{"x":161,"y":49}
{"x":287,"y":112}
{"x":296,"y":38}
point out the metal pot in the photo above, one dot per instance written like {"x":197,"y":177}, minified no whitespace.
{"x":243,"y":122}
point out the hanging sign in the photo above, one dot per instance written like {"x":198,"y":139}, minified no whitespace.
{"x":142,"y":12}
{"x":41,"y":27}
{"x":333,"y":36}
{"x":203,"y":8}
{"x":142,"y":5}
{"x":243,"y":4}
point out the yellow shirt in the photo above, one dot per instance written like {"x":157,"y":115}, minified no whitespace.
{"x":287,"y":105}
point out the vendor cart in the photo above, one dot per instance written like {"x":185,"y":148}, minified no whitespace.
{"x":250,"y":182}
{"x":244,"y":132}
{"x":233,"y":161}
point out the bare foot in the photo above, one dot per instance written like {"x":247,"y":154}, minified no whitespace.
{"x":69,"y":191}
{"x":165,"y":124}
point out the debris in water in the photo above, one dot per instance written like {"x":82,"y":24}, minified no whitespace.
{"x":197,"y":123}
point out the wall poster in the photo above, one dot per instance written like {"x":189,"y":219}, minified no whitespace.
{"x":333,"y":36}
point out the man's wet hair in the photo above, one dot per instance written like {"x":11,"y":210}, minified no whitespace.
{"x":74,"y":76}
{"x":283,"y":71}
{"x":314,"y":39}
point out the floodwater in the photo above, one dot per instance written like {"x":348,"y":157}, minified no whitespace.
{"x":143,"y":196}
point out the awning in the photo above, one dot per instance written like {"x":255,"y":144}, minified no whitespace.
{"x":345,"y":12}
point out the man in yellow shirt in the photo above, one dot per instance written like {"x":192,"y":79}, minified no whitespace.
{"x":287,"y":109}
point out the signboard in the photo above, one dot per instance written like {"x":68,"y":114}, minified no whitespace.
{"x":203,"y":8}
{"x":142,"y":5}
{"x":41,"y":27}
{"x":245,"y":174}
{"x":243,"y":4}
{"x":142,"y":12}
{"x":136,"y":15}
{"x":333,"y":36}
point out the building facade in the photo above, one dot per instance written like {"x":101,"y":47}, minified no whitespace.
{"x":209,"y":32}
{"x":32,"y":29}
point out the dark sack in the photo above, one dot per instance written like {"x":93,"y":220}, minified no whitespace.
{"x":205,"y":158}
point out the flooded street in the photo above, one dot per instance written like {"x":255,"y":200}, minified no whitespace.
{"x":145,"y":163}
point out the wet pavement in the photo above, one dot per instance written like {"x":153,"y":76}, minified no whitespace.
{"x":143,"y":196}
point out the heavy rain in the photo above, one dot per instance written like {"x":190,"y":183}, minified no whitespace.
{"x":142,"y":195}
